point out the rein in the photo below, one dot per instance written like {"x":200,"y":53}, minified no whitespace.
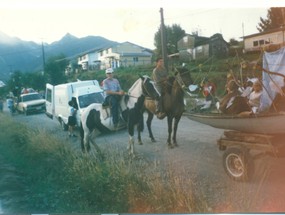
{"x":180,"y":81}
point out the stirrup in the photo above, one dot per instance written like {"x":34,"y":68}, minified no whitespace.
{"x":161,"y":115}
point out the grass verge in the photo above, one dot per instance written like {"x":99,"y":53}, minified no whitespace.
{"x":52,"y":178}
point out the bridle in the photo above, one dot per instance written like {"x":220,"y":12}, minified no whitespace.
{"x":180,"y":81}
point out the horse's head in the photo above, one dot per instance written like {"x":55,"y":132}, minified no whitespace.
{"x":148,"y":87}
{"x":183,"y":77}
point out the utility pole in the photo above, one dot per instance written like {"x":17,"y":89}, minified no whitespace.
{"x":163,"y":41}
{"x":44,"y":61}
{"x":243,"y":34}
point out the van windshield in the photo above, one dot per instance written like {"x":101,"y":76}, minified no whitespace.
{"x":30,"y":97}
{"x":86,"y":100}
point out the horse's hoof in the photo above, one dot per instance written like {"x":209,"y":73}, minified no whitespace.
{"x":153,"y":140}
{"x":140,"y":143}
{"x":170,"y":146}
{"x":175,"y":145}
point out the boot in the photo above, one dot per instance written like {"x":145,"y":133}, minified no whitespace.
{"x":159,"y":113}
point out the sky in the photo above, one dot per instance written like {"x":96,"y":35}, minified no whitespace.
{"x":135,"y":21}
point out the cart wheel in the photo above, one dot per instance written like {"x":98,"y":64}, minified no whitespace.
{"x":238,"y":164}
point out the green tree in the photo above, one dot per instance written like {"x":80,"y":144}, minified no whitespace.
{"x":275,"y":19}
{"x":55,"y":69}
{"x":36,"y":80}
{"x":173,"y":34}
{"x":233,"y":42}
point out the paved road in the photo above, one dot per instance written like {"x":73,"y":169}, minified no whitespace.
{"x":197,"y":159}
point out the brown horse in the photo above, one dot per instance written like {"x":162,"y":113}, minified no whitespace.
{"x":173,"y":103}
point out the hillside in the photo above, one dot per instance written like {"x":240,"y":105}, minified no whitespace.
{"x":27,"y":56}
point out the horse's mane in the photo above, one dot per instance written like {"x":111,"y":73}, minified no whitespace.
{"x":135,"y":92}
{"x":136,"y":89}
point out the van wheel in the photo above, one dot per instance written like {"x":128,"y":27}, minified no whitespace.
{"x":63,"y":125}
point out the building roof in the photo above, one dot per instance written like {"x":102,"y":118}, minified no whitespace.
{"x":264,"y":32}
{"x":142,"y":54}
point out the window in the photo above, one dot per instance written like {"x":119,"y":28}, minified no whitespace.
{"x":267,"y":41}
{"x":49,"y":94}
{"x":261,"y":42}
{"x":136,"y":59}
{"x":86,"y":100}
{"x":255,"y":43}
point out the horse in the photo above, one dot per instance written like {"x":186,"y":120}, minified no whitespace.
{"x":90,"y":120}
{"x":173,"y":103}
{"x":95,"y":117}
{"x":133,"y":101}
{"x":142,"y":88}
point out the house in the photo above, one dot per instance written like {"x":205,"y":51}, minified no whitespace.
{"x":89,"y":60}
{"x":256,"y":42}
{"x":119,"y":55}
{"x":124,"y":55}
{"x":194,"y":47}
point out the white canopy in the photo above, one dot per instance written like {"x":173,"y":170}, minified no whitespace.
{"x":273,"y":62}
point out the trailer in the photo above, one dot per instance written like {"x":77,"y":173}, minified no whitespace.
{"x":241,"y":149}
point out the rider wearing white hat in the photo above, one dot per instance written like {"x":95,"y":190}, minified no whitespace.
{"x":113,"y":93}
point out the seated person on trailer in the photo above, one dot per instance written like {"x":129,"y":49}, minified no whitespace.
{"x":247,"y":89}
{"x":254,"y":96}
{"x":209,"y":90}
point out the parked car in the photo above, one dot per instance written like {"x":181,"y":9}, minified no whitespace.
{"x":30,"y":103}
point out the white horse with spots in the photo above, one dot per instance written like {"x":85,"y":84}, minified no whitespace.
{"x":143,"y":87}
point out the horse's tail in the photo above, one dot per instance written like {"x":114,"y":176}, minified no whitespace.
{"x":81,"y":132}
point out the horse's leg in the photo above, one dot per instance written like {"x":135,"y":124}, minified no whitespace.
{"x":131,"y":145}
{"x":148,"y":123}
{"x":176,"y":121}
{"x":169,"y":122}
{"x":92,"y":140}
{"x":139,"y":137}
{"x":140,"y":128}
{"x":131,"y":138}
{"x":85,"y":141}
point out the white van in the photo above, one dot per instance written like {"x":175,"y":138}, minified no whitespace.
{"x":83,"y":93}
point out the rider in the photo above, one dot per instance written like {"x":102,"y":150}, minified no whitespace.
{"x":113,"y":93}
{"x":160,"y":75}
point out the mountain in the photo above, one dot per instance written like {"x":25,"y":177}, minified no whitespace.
{"x":27,"y":56}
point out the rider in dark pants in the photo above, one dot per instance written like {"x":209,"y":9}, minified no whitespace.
{"x":160,"y":75}
{"x":113,"y":93}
